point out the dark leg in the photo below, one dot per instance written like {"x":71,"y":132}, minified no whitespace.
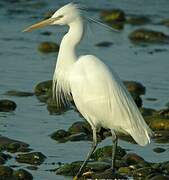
{"x":114,"y":138}
{"x":89,"y":154}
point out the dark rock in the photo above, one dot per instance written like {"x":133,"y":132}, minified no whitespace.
{"x":13,"y":147}
{"x":80,"y":126}
{"x":106,"y":151}
{"x":161,"y":136}
{"x":5,"y":172}
{"x":135,"y":87}
{"x":114,"y":15}
{"x":160,"y":177}
{"x":147,"y":111}
{"x":138,"y":20}
{"x":60,"y":135}
{"x":54,"y":108}
{"x":48,"y":47}
{"x":104,"y":44}
{"x":19,"y":93}
{"x":7,"y":105}
{"x":148,"y":36}
{"x":5,"y":142}
{"x":137,"y":100}
{"x":34,"y":158}
{"x":44,"y":88}
{"x":22,"y":174}
{"x":159,"y":150}
{"x":32,"y":168}
{"x":78,"y":137}
{"x":132,"y":158}
{"x":164,"y":112}
{"x":46,"y":33}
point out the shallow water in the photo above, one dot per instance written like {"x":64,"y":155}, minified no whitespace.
{"x":22,"y":67}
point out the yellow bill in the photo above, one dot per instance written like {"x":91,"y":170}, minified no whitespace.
{"x":41,"y":24}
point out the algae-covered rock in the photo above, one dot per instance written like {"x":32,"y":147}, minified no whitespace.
{"x":13,"y":147}
{"x":106,"y":151}
{"x":7,"y":105}
{"x":125,"y":170}
{"x":48,"y":47}
{"x":157,"y":122}
{"x":34,"y":158}
{"x":5,"y":172}
{"x":148,"y":36}
{"x":22,"y":174}
{"x":113,"y":15}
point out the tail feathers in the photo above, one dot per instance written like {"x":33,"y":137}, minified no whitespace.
{"x":141,"y":134}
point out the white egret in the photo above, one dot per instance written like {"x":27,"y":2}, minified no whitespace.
{"x":97,"y":91}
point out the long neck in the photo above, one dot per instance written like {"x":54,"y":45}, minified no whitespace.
{"x":67,"y":55}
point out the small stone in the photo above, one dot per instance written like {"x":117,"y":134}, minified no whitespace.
{"x":159,"y":150}
{"x":22,"y":174}
{"x":19,"y":93}
{"x":48,"y":47}
{"x":124,"y":170}
{"x":7,"y":105}
{"x":34,"y":158}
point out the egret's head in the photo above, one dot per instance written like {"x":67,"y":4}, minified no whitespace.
{"x":63,"y":16}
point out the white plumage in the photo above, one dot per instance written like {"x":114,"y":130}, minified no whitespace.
{"x":104,"y":101}
{"x":97,"y":91}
